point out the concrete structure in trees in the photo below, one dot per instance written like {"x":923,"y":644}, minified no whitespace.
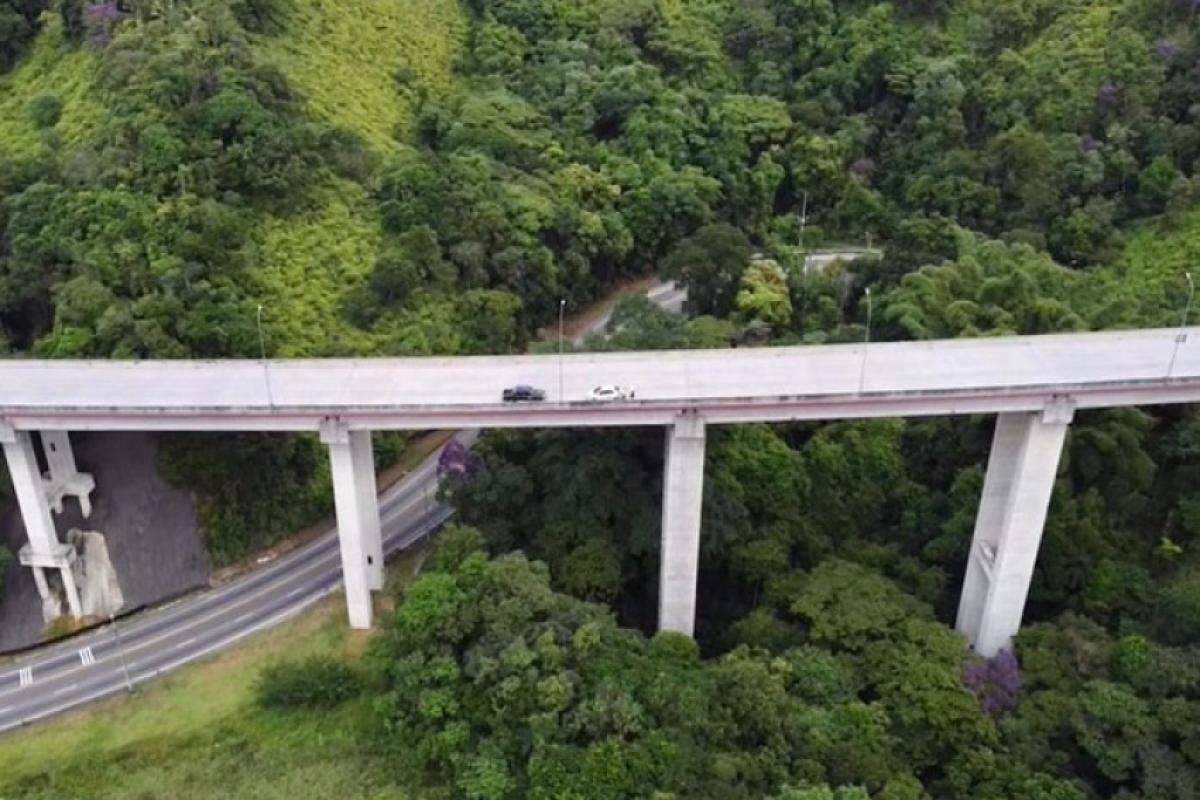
{"x":1032,"y":382}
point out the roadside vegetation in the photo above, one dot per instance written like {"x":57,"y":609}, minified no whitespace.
{"x":199,"y":734}
{"x":212,"y":730}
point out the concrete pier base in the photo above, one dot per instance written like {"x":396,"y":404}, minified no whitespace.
{"x":1008,"y":529}
{"x":61,"y":557}
{"x":357,"y":516}
{"x":683,"y":495}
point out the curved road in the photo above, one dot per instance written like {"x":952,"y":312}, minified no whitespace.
{"x":107,"y":661}
{"x":112,"y":659}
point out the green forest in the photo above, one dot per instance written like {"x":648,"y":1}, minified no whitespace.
{"x":418,"y":177}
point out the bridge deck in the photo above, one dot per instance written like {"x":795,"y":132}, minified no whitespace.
{"x":832,"y":381}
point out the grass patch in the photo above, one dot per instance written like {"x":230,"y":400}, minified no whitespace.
{"x":360,"y":63}
{"x":1160,"y":250}
{"x":1145,"y":286}
{"x":307,"y":261}
{"x":199,"y":733}
{"x":54,"y":67}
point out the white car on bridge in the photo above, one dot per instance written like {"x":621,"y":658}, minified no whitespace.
{"x":610,"y":394}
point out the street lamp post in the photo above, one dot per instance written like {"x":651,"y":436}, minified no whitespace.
{"x":112,"y":622}
{"x":862,"y":370}
{"x":1181,"y":336}
{"x":262,"y":342}
{"x":803,"y":220}
{"x":867,"y":335}
{"x":562,"y":305}
{"x":803,"y":255}
{"x":262,"y":351}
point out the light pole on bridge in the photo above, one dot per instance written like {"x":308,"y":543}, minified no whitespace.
{"x":1181,"y":336}
{"x":862,"y":370}
{"x":262,"y":351}
{"x":562,"y":305}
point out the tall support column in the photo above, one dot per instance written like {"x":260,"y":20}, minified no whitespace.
{"x":353,"y":516}
{"x":683,"y":494}
{"x":368,"y":498}
{"x":44,"y":549}
{"x":1008,"y":529}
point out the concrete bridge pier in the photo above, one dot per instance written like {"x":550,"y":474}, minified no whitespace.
{"x":683,"y":494}
{"x":359,"y":535}
{"x":44,"y":550}
{"x":1008,"y":529}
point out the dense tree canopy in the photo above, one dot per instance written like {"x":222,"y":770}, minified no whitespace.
{"x":1019,"y":166}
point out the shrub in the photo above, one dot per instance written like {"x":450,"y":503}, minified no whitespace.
{"x":1180,"y":611}
{"x":314,"y":682}
{"x":454,"y":544}
{"x":18,"y":25}
{"x":251,"y":489}
{"x":44,"y":110}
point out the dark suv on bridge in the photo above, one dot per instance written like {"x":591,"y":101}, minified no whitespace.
{"x":523,"y":394}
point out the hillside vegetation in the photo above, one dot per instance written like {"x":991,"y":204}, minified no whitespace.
{"x":49,"y":70}
{"x":168,"y":168}
{"x":361,"y":64}
{"x":405,"y":179}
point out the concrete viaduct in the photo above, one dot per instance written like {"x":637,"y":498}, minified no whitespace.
{"x":1033,"y":383}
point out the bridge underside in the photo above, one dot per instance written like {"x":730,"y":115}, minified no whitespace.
{"x":1020,"y":478}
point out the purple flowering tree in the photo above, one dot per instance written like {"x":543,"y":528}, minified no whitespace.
{"x":457,"y":464}
{"x":1107,"y":96}
{"x":1166,"y":49}
{"x":862,"y":168}
{"x":994,"y":682}
{"x":100,"y":19}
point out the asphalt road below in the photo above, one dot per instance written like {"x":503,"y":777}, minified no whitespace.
{"x":108,"y":660}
